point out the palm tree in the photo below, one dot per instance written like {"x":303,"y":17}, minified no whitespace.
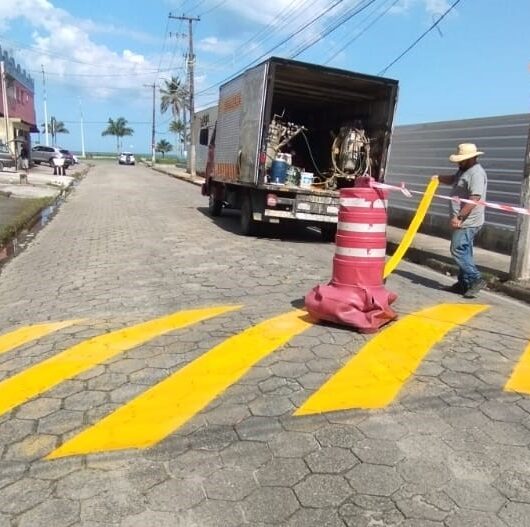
{"x":56,"y":127}
{"x":163,"y":146}
{"x":178,"y":128}
{"x":174,"y":96}
{"x":118,"y":128}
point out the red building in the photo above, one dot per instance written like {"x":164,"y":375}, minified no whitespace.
{"x":20,"y":90}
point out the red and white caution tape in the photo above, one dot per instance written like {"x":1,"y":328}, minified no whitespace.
{"x":487,"y":204}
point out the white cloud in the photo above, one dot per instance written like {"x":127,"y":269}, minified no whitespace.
{"x":217,"y":46}
{"x":63,"y":45}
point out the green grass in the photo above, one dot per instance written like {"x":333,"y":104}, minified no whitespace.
{"x":23,"y":218}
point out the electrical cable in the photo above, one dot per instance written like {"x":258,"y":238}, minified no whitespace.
{"x":384,"y":70}
{"x":354,"y":12}
{"x":276,"y":24}
{"x":311,"y":155}
{"x":363,"y":31}
{"x":285,"y":40}
{"x":216,"y":6}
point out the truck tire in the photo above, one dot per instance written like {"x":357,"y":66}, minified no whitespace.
{"x":248,"y":226}
{"x":328,"y":231}
{"x":215,"y":206}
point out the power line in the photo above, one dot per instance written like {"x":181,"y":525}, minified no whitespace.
{"x":363,"y":31}
{"x":285,"y":40}
{"x":350,"y":14}
{"x":162,"y":52}
{"x":216,"y":6}
{"x":384,"y":70}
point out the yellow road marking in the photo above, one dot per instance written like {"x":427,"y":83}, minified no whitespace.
{"x":423,"y":207}
{"x":156,"y":413}
{"x":83,"y":356}
{"x":519,"y":380}
{"x":374,"y":376}
{"x":22,"y":336}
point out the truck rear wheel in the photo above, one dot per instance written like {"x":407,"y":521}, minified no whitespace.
{"x":215,"y":206}
{"x":328,"y":231}
{"x":249,"y":227}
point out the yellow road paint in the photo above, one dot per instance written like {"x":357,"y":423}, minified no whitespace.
{"x":519,"y":381}
{"x":85,"y":355}
{"x":156,"y":413}
{"x":22,"y":336}
{"x":373,"y":377}
{"x":423,"y":207}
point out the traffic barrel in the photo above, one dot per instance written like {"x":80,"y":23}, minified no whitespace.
{"x":356,"y":295}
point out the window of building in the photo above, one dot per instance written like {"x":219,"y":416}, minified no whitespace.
{"x":203,"y":137}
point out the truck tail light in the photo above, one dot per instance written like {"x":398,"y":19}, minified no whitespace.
{"x":272,"y":200}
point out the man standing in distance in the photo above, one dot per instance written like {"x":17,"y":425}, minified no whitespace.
{"x":469,"y":182}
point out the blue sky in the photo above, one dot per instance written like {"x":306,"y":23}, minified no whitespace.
{"x":99,"y":54}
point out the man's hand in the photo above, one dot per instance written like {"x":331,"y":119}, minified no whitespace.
{"x":455,"y":223}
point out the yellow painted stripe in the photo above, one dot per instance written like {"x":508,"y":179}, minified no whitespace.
{"x":85,"y":355}
{"x":423,"y":207}
{"x":156,"y":413}
{"x":22,"y":336}
{"x":519,"y":381}
{"x":373,"y":377}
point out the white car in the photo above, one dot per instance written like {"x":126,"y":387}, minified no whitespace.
{"x":126,"y":158}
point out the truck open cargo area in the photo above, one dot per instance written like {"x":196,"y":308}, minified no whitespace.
{"x":290,"y":134}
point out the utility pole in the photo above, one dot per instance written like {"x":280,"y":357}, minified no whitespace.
{"x":4,"y":99}
{"x":520,"y":263}
{"x":46,"y":139}
{"x":153,"y":146}
{"x":191,"y":66}
{"x":82,"y":130}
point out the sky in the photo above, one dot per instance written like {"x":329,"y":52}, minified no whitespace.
{"x":100,"y":55}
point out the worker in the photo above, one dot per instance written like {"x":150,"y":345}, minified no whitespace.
{"x":470,"y":182}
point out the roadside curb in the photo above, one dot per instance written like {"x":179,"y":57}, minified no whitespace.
{"x":496,"y":280}
{"x":183,"y":177}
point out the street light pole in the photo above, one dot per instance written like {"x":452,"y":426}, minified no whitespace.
{"x":82,"y":130}
{"x":153,"y":146}
{"x":45,"y":107}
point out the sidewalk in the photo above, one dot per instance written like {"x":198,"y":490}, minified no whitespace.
{"x":430,"y":251}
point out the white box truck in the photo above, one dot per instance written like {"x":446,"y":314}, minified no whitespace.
{"x":289,"y":135}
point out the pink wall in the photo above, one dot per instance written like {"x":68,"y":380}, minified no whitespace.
{"x":20,"y":102}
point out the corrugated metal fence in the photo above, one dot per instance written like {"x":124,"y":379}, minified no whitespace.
{"x":420,"y":150}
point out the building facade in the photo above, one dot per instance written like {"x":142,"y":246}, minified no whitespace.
{"x":19,"y":121}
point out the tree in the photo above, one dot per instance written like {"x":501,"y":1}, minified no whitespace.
{"x":55,"y":127}
{"x":163,"y":146}
{"x":178,"y":128}
{"x":119,"y":129}
{"x":174,"y":96}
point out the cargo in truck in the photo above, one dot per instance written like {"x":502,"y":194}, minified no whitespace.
{"x":289,"y":135}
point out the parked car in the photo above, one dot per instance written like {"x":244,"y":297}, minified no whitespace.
{"x":45,"y":154}
{"x":7,"y":159}
{"x":126,"y":158}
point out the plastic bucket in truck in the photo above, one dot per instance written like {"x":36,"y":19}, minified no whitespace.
{"x":278,"y":171}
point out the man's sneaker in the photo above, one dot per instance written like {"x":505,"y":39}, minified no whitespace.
{"x":458,"y":288}
{"x":475,"y":288}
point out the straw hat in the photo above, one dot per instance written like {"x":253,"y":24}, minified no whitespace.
{"x":465,"y":151}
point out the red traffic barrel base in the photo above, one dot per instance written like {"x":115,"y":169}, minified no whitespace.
{"x":356,"y":295}
{"x":365,"y":308}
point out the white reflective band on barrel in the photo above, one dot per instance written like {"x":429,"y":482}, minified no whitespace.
{"x":358,"y":252}
{"x":363,"y":203}
{"x":361,"y":227}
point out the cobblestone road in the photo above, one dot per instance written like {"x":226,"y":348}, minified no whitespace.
{"x":130,"y":246}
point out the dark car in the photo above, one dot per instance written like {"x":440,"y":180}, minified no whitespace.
{"x":7,"y":159}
